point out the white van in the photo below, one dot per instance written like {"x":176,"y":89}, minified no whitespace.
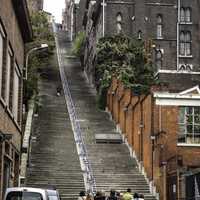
{"x":28,"y":193}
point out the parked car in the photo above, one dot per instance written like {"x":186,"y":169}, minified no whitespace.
{"x":28,"y":193}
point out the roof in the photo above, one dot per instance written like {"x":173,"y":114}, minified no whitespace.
{"x":22,"y":14}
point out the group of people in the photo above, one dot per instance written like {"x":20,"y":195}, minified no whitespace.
{"x":114,"y":195}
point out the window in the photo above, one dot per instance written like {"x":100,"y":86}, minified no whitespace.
{"x":139,"y":35}
{"x":188,"y":43}
{"x":8,"y":74}
{"x":15,"y":99}
{"x":18,"y":195}
{"x":185,"y":44}
{"x":189,"y":125}
{"x":1,"y":59}
{"x":119,"y":23}
{"x":186,"y":67}
{"x":158,"y":59}
{"x":185,"y":15}
{"x":159,"y":27}
{"x":182,"y":15}
{"x":182,"y":67}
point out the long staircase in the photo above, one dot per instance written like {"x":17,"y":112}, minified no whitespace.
{"x":112,"y":165}
{"x":54,"y":160}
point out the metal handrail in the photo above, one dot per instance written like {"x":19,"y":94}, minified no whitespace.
{"x":90,"y":182}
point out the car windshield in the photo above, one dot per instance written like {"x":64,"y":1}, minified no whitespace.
{"x":24,"y":196}
{"x":53,"y":198}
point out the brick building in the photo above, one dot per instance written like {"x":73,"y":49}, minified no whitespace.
{"x":162,"y":132}
{"x":35,"y":5}
{"x":156,"y":22}
{"x":15,"y":31}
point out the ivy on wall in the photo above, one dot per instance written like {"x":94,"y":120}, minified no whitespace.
{"x":124,"y":58}
{"x":38,"y":60}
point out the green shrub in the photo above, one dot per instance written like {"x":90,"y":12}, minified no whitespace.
{"x":78,"y":44}
{"x":38,"y":59}
{"x":124,"y":58}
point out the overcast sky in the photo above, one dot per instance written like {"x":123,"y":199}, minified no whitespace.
{"x":55,"y":7}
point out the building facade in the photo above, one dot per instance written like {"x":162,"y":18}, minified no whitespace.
{"x":35,"y":5}
{"x":73,"y":15}
{"x":15,"y":31}
{"x":161,"y":130}
{"x":169,"y":28}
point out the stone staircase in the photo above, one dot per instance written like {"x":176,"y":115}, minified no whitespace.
{"x":112,"y":165}
{"x":54,"y":160}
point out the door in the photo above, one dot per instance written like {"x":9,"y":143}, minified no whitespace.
{"x":172,"y":187}
{"x":6,"y":175}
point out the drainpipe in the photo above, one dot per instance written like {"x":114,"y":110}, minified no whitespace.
{"x":177,"y":37}
{"x":72,"y":21}
{"x":142,"y":127}
{"x":103,"y":26}
{"x":152,"y":138}
{"x":138,"y":100}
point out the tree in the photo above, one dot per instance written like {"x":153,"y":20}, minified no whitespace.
{"x":124,"y":58}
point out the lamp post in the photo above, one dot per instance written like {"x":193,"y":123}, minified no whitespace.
{"x":42,"y":46}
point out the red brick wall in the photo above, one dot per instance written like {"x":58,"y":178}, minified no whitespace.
{"x":190,"y":156}
{"x":139,"y":122}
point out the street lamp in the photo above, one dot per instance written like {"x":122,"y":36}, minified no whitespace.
{"x":42,"y":46}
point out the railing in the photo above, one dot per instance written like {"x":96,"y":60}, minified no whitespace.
{"x":89,"y":179}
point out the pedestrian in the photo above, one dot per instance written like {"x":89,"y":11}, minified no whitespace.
{"x":89,"y":196}
{"x":58,"y":90}
{"x":112,"y":195}
{"x":141,"y":197}
{"x":82,"y":195}
{"x":127,"y":195}
{"x":97,"y":196}
{"x":119,"y":195}
{"x":136,"y":196}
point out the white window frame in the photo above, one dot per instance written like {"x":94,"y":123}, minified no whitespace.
{"x":193,"y":137}
{"x":185,"y":44}
{"x":159,"y":27}
{"x":8,"y":74}
{"x":119,"y":23}
{"x":188,"y":17}
{"x":159,"y":59}
{"x":16,"y":85}
{"x":2,"y":35}
{"x":1,"y":59}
